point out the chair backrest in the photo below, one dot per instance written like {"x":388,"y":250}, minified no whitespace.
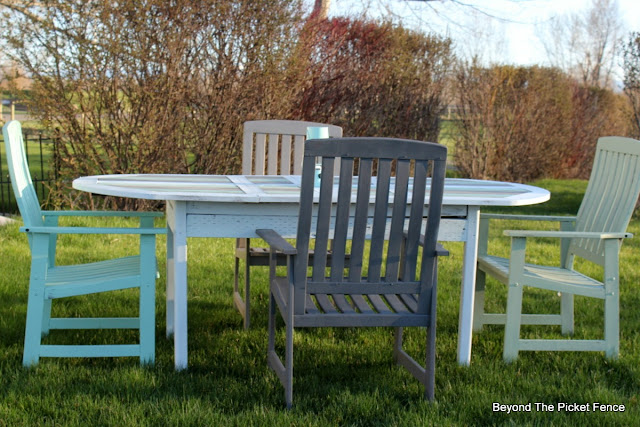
{"x":272,"y":147}
{"x":611,"y":195}
{"x":396,"y":206}
{"x":21,"y":182}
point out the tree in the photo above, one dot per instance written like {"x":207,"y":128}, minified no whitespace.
{"x":631,"y":54}
{"x":585,"y":44}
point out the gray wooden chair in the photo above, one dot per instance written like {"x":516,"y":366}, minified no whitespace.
{"x":381,"y":286}
{"x":595,"y":234}
{"x":270,"y":147}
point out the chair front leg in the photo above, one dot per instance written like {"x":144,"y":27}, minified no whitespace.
{"x":612,"y":298}
{"x":514,"y":299}
{"x":36,"y":306}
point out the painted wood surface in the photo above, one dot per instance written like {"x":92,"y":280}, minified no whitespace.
{"x":286,"y":189}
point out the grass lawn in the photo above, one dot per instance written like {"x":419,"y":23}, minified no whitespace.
{"x":341,"y":376}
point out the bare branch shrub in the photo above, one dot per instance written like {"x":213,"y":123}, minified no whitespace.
{"x":374,"y":79}
{"x":520,"y":124}
{"x":150,"y":86}
{"x":631,"y":67}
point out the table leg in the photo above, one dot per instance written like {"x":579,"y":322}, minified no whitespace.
{"x":177,"y":280}
{"x":465,"y":326}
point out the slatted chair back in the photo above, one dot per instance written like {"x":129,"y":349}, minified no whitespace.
{"x":610,"y":197}
{"x":275,"y":147}
{"x":398,"y":206}
{"x":21,"y":182}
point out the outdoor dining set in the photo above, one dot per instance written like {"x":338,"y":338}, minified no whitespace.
{"x":354,"y":229}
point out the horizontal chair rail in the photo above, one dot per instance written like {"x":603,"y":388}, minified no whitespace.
{"x":95,"y":323}
{"x":118,"y":350}
{"x":104,"y":213}
{"x":93,"y":230}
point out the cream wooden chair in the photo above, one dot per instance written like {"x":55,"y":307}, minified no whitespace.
{"x":270,"y":147}
{"x":595,"y":234}
{"x":49,"y":281}
{"x":392,"y":285}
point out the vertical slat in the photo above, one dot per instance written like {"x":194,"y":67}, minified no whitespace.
{"x":247,"y":152}
{"x":360,"y":220}
{"x":428,"y":272}
{"x":397,"y":220}
{"x":260,"y":154}
{"x":324,"y":220}
{"x":415,"y":221}
{"x":298,"y":152}
{"x":285,"y":155}
{"x":272,"y":155}
{"x":342,"y":220}
{"x":303,"y":235}
{"x":379,"y":220}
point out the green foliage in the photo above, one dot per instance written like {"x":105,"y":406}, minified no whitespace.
{"x":341,"y":376}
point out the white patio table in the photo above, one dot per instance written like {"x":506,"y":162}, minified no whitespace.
{"x":237,"y":205}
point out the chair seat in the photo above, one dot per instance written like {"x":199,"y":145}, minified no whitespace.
{"x":355,"y":310}
{"x":82,"y":279}
{"x":551,"y":278}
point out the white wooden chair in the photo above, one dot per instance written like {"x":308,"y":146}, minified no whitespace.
{"x":595,"y":234}
{"x":391,"y":285}
{"x":270,"y":147}
{"x":49,"y":281}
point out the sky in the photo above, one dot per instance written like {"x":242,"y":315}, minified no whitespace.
{"x":505,"y":31}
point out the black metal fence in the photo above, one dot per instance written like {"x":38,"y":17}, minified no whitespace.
{"x":41,"y":156}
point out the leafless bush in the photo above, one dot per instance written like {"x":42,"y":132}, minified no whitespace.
{"x":519,"y":123}
{"x":154,"y":86}
{"x":374,"y":79}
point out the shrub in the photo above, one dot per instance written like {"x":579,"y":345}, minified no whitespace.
{"x":374,"y":79}
{"x":523,"y":123}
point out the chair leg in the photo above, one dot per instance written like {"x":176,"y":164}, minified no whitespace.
{"x":566,"y":313}
{"x":33,"y":328}
{"x":512,"y":326}
{"x":612,"y":325}
{"x":147,"y":322}
{"x":430,"y":364}
{"x":288,"y":387}
{"x":238,"y":300}
{"x":397,"y":344}
{"x":478,"y":304}
{"x":247,"y":294}
{"x":46,"y":316}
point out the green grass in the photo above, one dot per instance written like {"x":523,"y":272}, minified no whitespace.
{"x":341,"y":376}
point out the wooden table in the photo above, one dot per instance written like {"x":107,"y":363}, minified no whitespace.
{"x":237,"y":205}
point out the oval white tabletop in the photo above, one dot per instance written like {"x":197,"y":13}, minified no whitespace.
{"x":285,"y":188}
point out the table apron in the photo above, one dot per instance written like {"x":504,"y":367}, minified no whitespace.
{"x":223,"y":220}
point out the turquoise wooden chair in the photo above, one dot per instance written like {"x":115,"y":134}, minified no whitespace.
{"x":391,"y":285}
{"x":49,"y":281}
{"x":269,"y":147}
{"x":595,"y":234}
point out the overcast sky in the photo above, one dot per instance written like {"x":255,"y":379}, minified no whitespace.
{"x":501,"y":30}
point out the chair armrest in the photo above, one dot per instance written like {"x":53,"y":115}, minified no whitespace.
{"x":93,"y":230}
{"x":440,"y":250}
{"x":276,"y":241}
{"x":104,"y":213}
{"x":566,"y":234}
{"x":528,"y":217}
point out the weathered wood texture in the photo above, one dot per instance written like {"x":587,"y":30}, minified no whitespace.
{"x":391,"y":274}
